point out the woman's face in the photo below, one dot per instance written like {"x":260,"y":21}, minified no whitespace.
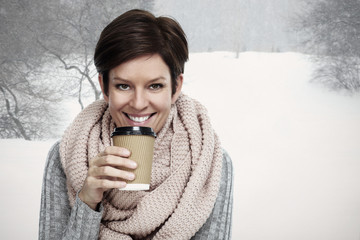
{"x":140,"y":92}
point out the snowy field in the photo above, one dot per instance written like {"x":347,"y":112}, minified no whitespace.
{"x":295,"y":148}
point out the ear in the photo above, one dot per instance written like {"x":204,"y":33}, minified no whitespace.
{"x":179,"y":81}
{"x":101,"y":82}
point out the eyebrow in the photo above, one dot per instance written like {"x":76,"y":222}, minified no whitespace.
{"x":152,"y":80}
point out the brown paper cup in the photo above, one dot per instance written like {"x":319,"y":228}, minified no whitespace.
{"x":140,"y":142}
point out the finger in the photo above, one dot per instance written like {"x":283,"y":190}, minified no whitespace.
{"x":115,"y":161}
{"x":115,"y":150}
{"x":106,"y":183}
{"x":109,"y":172}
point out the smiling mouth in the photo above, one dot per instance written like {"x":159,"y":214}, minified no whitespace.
{"x":139,"y":119}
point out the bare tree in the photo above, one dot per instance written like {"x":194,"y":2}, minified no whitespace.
{"x":339,"y":72}
{"x":26,"y":100}
{"x":332,"y":31}
{"x":37,"y":38}
{"x":73,"y":28}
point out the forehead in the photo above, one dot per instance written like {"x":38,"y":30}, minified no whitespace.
{"x":143,"y":67}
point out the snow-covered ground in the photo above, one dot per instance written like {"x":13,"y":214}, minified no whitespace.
{"x":295,"y":148}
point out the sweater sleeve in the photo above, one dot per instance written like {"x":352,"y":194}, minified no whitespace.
{"x":57,"y":219}
{"x":218,"y":225}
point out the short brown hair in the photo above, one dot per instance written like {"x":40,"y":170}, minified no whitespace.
{"x":136,"y":33}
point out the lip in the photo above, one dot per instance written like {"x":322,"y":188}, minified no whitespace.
{"x":134,"y":123}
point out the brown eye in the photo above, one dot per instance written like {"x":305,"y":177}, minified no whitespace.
{"x":123,"y":87}
{"x":156,"y":86}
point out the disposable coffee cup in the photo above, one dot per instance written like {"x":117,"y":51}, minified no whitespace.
{"x":140,"y":142}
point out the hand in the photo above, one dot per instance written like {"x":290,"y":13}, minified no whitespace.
{"x":104,"y":174}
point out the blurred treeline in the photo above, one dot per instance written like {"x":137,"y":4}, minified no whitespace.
{"x":46,"y":47}
{"x":331,"y":33}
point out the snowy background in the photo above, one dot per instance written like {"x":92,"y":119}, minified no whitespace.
{"x":295,"y":149}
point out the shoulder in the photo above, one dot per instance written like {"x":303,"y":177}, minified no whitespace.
{"x":225,"y":195}
{"x":227,"y":170}
{"x":218,"y":225}
{"x":53,"y":164}
{"x":227,"y":160}
{"x":54,"y":150}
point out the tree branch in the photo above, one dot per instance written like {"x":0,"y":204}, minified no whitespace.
{"x":17,"y":122}
{"x":70,"y":67}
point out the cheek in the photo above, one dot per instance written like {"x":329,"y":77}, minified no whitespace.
{"x":164,"y":103}
{"x":116,"y":102}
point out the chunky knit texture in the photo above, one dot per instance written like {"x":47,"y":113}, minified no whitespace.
{"x":185,"y":176}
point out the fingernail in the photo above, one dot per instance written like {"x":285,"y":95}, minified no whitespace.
{"x":131,"y":176}
{"x":126,"y":152}
{"x":133,"y":164}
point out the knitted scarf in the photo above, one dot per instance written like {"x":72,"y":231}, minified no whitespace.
{"x":185,"y":174}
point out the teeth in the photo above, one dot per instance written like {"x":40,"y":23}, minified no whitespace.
{"x":139,"y":119}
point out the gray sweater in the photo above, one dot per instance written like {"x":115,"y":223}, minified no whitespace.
{"x":60,"y":221}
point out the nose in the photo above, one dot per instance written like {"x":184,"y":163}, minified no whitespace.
{"x":139,"y":100}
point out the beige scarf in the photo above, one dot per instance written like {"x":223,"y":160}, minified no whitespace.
{"x":185,"y":175}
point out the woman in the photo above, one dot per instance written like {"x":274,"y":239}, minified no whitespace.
{"x":140,"y":60}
